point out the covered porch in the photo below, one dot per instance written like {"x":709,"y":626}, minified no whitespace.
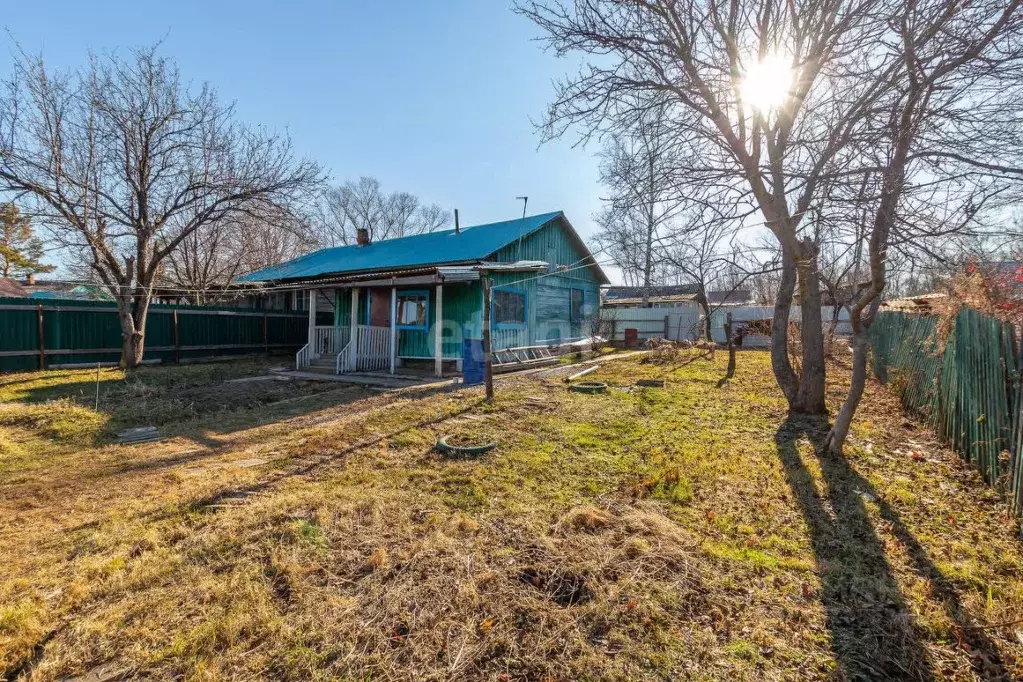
{"x":411,"y":324}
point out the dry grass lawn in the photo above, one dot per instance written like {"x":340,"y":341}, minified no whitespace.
{"x":307,"y":532}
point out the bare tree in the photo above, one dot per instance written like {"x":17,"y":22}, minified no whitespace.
{"x":123,"y":162}
{"x":781,"y":105}
{"x":699,"y":58}
{"x":363,"y":204}
{"x":638,"y":170}
{"x":203,"y":264}
{"x":207,"y":260}
{"x":700,"y":255}
{"x":273,"y":239}
{"x":946,"y":144}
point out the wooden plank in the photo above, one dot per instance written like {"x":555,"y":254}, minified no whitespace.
{"x":39,"y":331}
{"x":394,"y":328}
{"x":488,"y":359}
{"x":438,"y":338}
{"x":152,"y":311}
{"x":177,"y":339}
{"x":86,"y":351}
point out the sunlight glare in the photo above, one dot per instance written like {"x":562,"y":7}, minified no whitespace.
{"x":766,"y":83}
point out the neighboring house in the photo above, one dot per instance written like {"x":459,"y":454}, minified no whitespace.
{"x":248,"y":297}
{"x":60,"y":289}
{"x":672,"y":296}
{"x":415,"y":299}
{"x":923,"y":303}
{"x":10,"y":288}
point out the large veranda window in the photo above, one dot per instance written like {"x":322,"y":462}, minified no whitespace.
{"x":509,"y":308}
{"x":413,"y":309}
{"x":301,"y":300}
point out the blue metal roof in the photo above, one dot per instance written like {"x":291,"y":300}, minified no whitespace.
{"x":471,"y":244}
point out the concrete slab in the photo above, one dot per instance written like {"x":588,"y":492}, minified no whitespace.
{"x":357,"y":379}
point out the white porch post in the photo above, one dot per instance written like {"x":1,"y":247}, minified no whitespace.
{"x":313,"y":350}
{"x":353,"y":324}
{"x":438,"y":333}
{"x":394,"y":326}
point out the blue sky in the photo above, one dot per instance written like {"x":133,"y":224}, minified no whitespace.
{"x":431,"y":97}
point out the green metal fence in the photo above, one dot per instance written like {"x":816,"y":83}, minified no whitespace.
{"x":967,"y":387}
{"x":38,"y":334}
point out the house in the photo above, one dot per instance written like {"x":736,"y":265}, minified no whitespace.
{"x":65,"y":290}
{"x":413,"y":300}
{"x":922,"y":303}
{"x":670,"y":296}
{"x":11,"y":288}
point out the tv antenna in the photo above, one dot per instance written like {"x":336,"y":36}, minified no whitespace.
{"x":518,"y":245}
{"x":524,"y":200}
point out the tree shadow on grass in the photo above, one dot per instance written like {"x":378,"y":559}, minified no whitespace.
{"x":872,"y":630}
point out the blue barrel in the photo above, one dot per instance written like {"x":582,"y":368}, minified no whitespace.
{"x":472,"y":361}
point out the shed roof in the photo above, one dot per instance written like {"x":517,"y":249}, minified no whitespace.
{"x":654,"y":290}
{"x":470,"y":245}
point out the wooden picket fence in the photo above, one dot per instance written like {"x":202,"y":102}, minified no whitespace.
{"x":967,"y":386}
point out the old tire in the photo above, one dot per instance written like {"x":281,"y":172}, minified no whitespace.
{"x":588,"y":387}
{"x":464,"y":450}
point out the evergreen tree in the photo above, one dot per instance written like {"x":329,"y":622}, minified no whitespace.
{"x":21,"y":251}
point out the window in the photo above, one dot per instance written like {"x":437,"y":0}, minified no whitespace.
{"x":576,"y":304}
{"x":301,"y":300}
{"x":509,"y":308}
{"x":413,"y":309}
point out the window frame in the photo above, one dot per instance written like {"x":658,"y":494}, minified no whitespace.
{"x":493,"y":308}
{"x":300,"y":303}
{"x":582,"y":304}
{"x":408,"y":293}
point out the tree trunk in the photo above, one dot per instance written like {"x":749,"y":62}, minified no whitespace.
{"x":132,"y":312}
{"x":783,"y":372}
{"x":840,"y":429}
{"x":811,"y":396}
{"x":705,"y":305}
{"x":730,"y":340}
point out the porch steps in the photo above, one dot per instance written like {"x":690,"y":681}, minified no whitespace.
{"x":322,"y":365}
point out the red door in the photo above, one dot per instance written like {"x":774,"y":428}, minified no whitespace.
{"x":380,"y":307}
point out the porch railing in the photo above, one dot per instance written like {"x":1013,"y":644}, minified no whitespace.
{"x":302,"y":358}
{"x":373,"y":348}
{"x":329,"y":341}
{"x":344,"y":359}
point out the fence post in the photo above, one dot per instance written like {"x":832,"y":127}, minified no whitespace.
{"x":39,"y":332}
{"x":488,"y":355}
{"x":266,"y":342}
{"x":177,"y":340}
{"x":666,"y":329}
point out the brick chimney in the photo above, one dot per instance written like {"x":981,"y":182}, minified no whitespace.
{"x":362,"y":236}
{"x":30,"y":278}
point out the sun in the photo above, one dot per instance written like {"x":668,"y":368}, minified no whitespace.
{"x":766,"y":83}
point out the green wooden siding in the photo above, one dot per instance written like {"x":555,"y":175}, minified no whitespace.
{"x":550,"y":243}
{"x":548,"y":294}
